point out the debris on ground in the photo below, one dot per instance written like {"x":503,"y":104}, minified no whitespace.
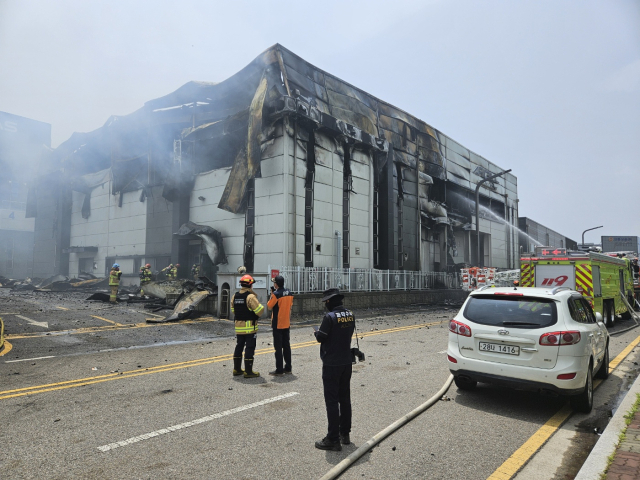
{"x":192,"y":294}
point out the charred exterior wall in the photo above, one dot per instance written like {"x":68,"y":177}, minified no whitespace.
{"x":203,"y":210}
{"x":158,"y":229}
{"x":291,"y":166}
{"x":119,"y":231}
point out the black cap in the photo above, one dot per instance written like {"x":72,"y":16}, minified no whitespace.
{"x":279,"y":280}
{"x":330,"y":293}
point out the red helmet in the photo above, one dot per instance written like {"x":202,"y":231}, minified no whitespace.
{"x":148,"y":265}
{"x":177,"y":265}
{"x":248,"y":279}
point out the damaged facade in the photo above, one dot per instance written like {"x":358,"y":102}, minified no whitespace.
{"x":23,"y":144}
{"x":207,"y":175}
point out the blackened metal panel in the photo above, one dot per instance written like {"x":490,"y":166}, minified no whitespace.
{"x":247,"y":164}
{"x":388,"y":212}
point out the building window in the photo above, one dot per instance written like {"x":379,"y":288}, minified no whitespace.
{"x":85,"y":265}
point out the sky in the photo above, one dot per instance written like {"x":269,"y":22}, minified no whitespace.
{"x":550,"y":89}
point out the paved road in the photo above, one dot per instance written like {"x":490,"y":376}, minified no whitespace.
{"x":100,"y":408}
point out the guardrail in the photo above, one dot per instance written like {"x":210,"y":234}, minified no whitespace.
{"x":318,"y":279}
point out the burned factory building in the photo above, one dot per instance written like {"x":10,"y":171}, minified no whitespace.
{"x":282,"y":164}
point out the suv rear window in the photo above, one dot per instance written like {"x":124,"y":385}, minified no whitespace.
{"x":515,"y":312}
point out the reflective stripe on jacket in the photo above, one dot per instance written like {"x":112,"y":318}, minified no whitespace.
{"x":246,"y":309}
{"x":145,"y":275}
{"x":114,"y":277}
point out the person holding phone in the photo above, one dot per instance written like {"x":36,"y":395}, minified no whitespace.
{"x":280,"y":304}
{"x":334,"y":336}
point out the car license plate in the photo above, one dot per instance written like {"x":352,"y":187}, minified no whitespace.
{"x":499,"y":348}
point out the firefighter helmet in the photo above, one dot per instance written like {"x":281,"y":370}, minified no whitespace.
{"x":247,"y":279}
{"x":115,"y":265}
{"x":148,"y":265}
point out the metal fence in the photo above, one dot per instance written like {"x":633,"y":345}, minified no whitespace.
{"x":318,"y":279}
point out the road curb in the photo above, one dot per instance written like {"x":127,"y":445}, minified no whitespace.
{"x":597,"y":460}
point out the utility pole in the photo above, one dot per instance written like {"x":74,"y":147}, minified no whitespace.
{"x":587,"y":230}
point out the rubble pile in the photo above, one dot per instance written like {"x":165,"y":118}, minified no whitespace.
{"x":192,"y":294}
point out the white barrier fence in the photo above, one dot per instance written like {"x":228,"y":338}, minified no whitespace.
{"x":475,"y":277}
{"x":318,"y":279}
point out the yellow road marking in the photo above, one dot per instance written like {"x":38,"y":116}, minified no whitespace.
{"x":6,"y":348}
{"x":62,"y":308}
{"x":522,"y":455}
{"x":101,"y":329}
{"x":19,"y":392}
{"x":616,"y":361}
{"x":107,"y":320}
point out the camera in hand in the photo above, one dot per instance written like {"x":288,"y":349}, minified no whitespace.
{"x":356,"y":353}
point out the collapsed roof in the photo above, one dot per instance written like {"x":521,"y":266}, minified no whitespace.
{"x":225,"y":121}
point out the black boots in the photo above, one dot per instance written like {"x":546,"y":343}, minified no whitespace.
{"x":237,"y":366}
{"x":326,"y":444}
{"x":248,"y":369}
{"x":344,"y":439}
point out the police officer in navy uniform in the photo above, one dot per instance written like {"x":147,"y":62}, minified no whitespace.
{"x":334,"y":336}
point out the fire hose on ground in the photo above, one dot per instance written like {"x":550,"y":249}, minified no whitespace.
{"x":336,"y":471}
{"x":633,"y":314}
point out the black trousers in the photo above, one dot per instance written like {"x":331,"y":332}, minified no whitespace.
{"x":337,"y":398}
{"x":282,"y":344}
{"x":250,"y":342}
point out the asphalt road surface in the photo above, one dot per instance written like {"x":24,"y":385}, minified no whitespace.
{"x":118,"y":398}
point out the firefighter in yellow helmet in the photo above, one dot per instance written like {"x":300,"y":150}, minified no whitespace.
{"x":145,"y":277}
{"x":114,"y":282}
{"x":247,"y":310}
{"x":174,"y":271}
{"x":167,"y":271}
{"x":195,"y":271}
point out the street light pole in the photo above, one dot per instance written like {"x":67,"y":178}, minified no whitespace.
{"x":478,"y":210}
{"x":587,"y":230}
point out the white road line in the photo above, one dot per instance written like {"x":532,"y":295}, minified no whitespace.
{"x":442,"y":351}
{"x":208,"y":418}
{"x":28,"y":359}
{"x":33,"y":322}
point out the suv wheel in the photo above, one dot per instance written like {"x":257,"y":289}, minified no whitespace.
{"x":465,"y":383}
{"x":583,"y":402}
{"x":603,"y":371}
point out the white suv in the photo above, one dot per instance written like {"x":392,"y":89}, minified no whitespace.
{"x":530,"y":339}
